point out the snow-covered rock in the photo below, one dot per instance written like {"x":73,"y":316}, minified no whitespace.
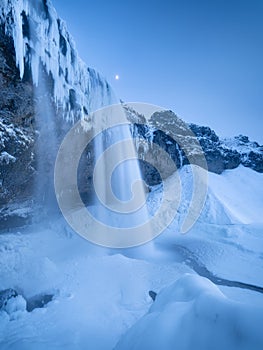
{"x":251,"y":153}
{"x":6,"y":158}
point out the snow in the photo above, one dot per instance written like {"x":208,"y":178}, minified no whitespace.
{"x":49,"y":42}
{"x":249,"y":187}
{"x":193,"y":314}
{"x":15,"y":305}
{"x":15,"y":210}
{"x":234,"y":197}
{"x":241,"y":144}
{"x":101,"y":296}
{"x":246,"y":148}
{"x":9,"y":131}
{"x":98,"y":296}
{"x":6,"y":158}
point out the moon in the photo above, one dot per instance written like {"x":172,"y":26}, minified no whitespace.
{"x":117,"y":77}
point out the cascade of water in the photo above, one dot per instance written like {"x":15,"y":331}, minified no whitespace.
{"x":120,"y":193}
{"x":120,"y":197}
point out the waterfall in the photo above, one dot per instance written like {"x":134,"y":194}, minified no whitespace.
{"x":118,"y":216}
{"x":45,"y":54}
{"x":120,"y":197}
{"x":120,"y":193}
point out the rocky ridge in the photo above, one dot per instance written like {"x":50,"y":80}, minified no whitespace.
{"x":220,"y":154}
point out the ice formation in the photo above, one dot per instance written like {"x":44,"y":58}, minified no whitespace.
{"x":39,"y":36}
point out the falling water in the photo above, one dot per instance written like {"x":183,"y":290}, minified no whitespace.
{"x":46,"y":145}
{"x":118,"y":180}
{"x":46,"y":149}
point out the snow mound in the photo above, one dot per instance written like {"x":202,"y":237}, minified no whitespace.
{"x":15,"y":304}
{"x":192,"y":313}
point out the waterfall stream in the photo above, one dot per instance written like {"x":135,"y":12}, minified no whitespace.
{"x":120,"y":198}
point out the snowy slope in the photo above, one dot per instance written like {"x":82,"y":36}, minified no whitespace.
{"x":41,"y":37}
{"x":241,"y":193}
{"x":235,"y":196}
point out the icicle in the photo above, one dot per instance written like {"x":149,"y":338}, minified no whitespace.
{"x":51,"y":44}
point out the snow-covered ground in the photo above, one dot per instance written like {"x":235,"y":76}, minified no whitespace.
{"x":101,"y":296}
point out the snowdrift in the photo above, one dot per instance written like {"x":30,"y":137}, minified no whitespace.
{"x":192,"y":313}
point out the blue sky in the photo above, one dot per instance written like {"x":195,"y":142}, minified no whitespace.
{"x":202,"y":59}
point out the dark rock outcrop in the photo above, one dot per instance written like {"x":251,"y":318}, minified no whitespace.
{"x":17,"y":128}
{"x":35,"y":302}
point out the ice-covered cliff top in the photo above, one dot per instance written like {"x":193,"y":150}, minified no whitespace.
{"x":242,"y":144}
{"x":40,"y":36}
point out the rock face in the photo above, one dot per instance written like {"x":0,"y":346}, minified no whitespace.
{"x":17,"y":127}
{"x":220,"y":154}
{"x":44,"y":88}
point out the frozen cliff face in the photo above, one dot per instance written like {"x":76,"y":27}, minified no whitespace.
{"x":17,"y":130}
{"x":44,"y":88}
{"x":39,"y":36}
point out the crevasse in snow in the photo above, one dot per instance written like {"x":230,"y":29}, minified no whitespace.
{"x":41,"y":37}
